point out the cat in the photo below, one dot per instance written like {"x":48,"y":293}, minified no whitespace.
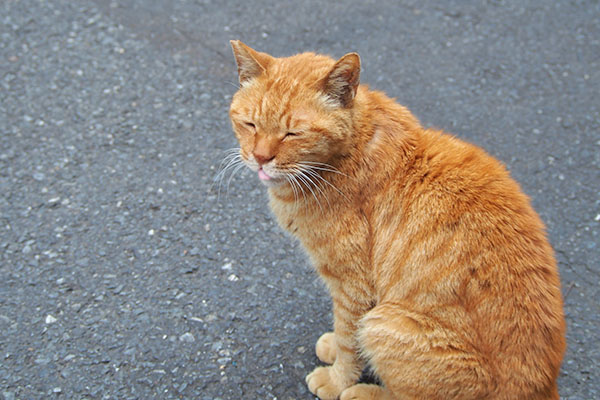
{"x":440,"y":273}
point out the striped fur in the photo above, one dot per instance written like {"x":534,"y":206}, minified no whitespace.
{"x":439,"y":270}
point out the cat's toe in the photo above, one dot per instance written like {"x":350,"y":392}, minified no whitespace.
{"x":325,"y":348}
{"x":321,"y":384}
{"x":364,"y":392}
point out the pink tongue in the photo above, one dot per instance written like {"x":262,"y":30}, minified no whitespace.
{"x":262,"y":175}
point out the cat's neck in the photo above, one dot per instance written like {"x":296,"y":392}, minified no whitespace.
{"x":385,"y":130}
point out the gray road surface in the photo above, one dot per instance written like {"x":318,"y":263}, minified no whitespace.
{"x":124,"y":276}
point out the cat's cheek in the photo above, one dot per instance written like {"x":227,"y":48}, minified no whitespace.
{"x":251,"y":164}
{"x":245,"y":139}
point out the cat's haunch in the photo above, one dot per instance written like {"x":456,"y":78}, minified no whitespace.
{"x":440,"y":272}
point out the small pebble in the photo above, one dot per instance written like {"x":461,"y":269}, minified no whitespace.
{"x":223,"y":360}
{"x":226,"y":267}
{"x":187,"y":337}
{"x":50,"y":319}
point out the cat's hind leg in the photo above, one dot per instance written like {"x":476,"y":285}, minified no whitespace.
{"x":364,"y":391}
{"x":417,"y":358}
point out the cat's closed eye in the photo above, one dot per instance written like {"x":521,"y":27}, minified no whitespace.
{"x":250,"y":125}
{"x":291,"y":134}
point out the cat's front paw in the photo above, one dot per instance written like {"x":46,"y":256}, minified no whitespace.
{"x":325,"y":348}
{"x":325,"y":384}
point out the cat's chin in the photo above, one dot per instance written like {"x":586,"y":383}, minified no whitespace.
{"x":273,"y":182}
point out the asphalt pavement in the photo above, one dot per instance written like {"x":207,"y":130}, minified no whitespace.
{"x":126,"y":273}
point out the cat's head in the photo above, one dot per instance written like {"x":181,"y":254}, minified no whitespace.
{"x":293,"y":113}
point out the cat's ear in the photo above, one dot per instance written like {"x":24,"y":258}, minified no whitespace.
{"x":342,"y":81}
{"x":250,"y":62}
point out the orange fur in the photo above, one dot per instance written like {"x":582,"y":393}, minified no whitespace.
{"x":440,"y":272}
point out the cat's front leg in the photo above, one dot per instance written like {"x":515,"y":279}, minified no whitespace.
{"x":326,"y":348}
{"x":328,"y":382}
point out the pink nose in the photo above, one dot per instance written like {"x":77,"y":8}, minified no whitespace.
{"x":263,"y":158}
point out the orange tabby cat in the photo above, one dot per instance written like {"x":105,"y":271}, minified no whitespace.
{"x":440,"y":272}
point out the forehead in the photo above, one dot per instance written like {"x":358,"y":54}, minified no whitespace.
{"x":286,"y":93}
{"x":280,"y":102}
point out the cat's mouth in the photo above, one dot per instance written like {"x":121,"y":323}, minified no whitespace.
{"x":268,"y":179}
{"x":263,"y":176}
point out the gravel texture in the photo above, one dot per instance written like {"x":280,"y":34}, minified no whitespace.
{"x":125,"y":274}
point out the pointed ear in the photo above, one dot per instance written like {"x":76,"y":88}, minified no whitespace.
{"x":250,"y":63}
{"x":342,"y":81}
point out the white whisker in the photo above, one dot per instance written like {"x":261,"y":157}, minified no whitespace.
{"x":233,"y":163}
{"x":300,"y":187}
{"x":232,"y":151}
{"x":307,"y":182}
{"x":229,"y":155}
{"x":296,"y":186}
{"x":317,"y":184}
{"x":230,"y":163}
{"x":236,"y":169}
{"x":228,"y":160}
{"x":321,"y":167}
{"x":318,"y":176}
{"x":290,"y":178}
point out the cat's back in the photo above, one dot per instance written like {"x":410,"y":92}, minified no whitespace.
{"x":463,"y":240}
{"x":455,"y":180}
{"x":457,"y":208}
